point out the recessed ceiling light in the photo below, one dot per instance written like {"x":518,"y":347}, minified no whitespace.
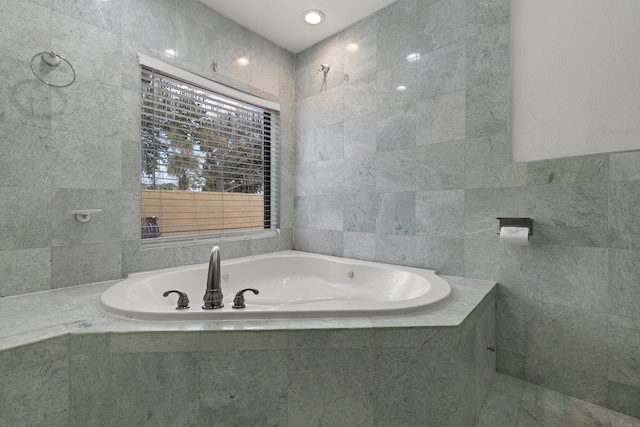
{"x":401,"y":88}
{"x":170,"y":52}
{"x":352,"y":47}
{"x":313,"y":17}
{"x":243,"y":62}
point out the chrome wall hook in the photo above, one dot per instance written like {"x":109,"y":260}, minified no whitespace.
{"x":324,"y":68}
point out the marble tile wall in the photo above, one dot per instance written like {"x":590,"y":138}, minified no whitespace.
{"x":78,"y":147}
{"x":356,"y":374}
{"x":418,"y":177}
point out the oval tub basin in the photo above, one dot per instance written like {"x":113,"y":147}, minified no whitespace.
{"x":292,"y":284}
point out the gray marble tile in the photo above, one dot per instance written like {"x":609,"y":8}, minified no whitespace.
{"x":156,"y":30}
{"x":104,"y":226}
{"x":572,"y":276}
{"x":440,"y":213}
{"x":487,"y":56}
{"x":24,"y":271}
{"x":306,"y":114}
{"x":624,"y":341}
{"x":395,"y":249}
{"x":362,"y":29}
{"x":440,"y":119}
{"x":154,"y":342}
{"x":25,"y":102}
{"x":501,"y":406}
{"x":25,"y":218}
{"x":88,"y":107}
{"x":330,"y":106}
{"x":360,"y":136}
{"x":484,"y":205}
{"x":442,"y":254}
{"x":331,"y":386}
{"x":35,"y":384}
{"x":396,"y":128}
{"x":487,"y":109}
{"x":623,"y":398}
{"x":102,"y":61}
{"x":510,"y":363}
{"x":396,"y":12}
{"x":569,"y":214}
{"x":487,"y":163}
{"x":405,"y":382}
{"x":541,"y":405}
{"x":574,"y":382}
{"x":89,"y":380}
{"x":621,"y":420}
{"x":359,"y":96}
{"x":27,"y":29}
{"x":441,"y":71}
{"x":329,"y":142}
{"x":360,"y":212}
{"x":328,"y":242}
{"x":624,"y":210}
{"x":510,"y":324}
{"x":624,"y":166}
{"x":196,"y":44}
{"x":624,"y":276}
{"x":146,"y":388}
{"x":329,"y":177}
{"x":441,"y":24}
{"x":395,"y":42}
{"x":26,"y":154}
{"x":568,"y":170}
{"x":331,"y":338}
{"x":81,"y":264}
{"x":566,"y":350}
{"x":395,"y":171}
{"x":396,"y":214}
{"x":440,"y":166}
{"x":396,"y":86}
{"x":243,"y":388}
{"x":360,"y":53}
{"x":360,"y":246}
{"x":487,"y":13}
{"x":329,"y":213}
{"x":79,"y":166}
{"x":360,"y":174}
{"x":134,"y":259}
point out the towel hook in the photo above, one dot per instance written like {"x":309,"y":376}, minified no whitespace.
{"x":324,"y":68}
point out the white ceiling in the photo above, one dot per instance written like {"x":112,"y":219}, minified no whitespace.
{"x":280,"y":21}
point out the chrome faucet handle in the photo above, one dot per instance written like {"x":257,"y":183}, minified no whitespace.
{"x":183,"y":299}
{"x":238,"y":301}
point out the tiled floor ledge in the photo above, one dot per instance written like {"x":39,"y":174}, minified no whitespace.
{"x":512,"y":402}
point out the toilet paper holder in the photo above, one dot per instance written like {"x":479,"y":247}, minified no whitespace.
{"x":516,"y":222}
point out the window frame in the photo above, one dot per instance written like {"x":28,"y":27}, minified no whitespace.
{"x":271,"y":140}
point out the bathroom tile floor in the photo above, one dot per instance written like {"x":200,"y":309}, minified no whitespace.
{"x":512,"y":402}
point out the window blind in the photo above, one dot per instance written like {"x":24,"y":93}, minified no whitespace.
{"x":209,"y":160}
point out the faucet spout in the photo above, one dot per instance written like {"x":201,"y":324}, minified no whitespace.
{"x":213,"y":295}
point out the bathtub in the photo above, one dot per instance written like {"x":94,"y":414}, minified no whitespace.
{"x":291,"y":284}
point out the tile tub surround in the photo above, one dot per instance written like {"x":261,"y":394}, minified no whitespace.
{"x":79,"y":147}
{"x":64,"y":362}
{"x":418,"y":178}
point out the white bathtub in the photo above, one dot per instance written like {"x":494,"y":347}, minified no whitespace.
{"x":292,"y":284}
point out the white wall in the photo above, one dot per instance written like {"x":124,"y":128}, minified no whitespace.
{"x":576,"y":77}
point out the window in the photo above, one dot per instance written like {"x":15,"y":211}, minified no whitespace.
{"x":209,"y":158}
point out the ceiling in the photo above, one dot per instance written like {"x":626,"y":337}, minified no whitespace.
{"x":280,"y":21}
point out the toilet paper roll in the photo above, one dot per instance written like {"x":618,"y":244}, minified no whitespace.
{"x":514,"y":236}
